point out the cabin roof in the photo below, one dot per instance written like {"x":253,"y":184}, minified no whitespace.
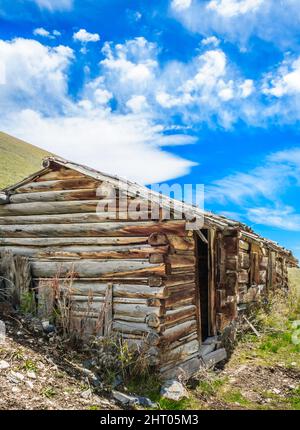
{"x":210,"y":219}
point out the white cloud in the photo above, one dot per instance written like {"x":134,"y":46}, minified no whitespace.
{"x":230,"y":8}
{"x":283,"y":217}
{"x":137,"y":103}
{"x":53,"y":5}
{"x":226,"y":93}
{"x":286,"y":80}
{"x":36,"y":76}
{"x":209,"y":86}
{"x":238,"y":20}
{"x":42,"y":32}
{"x":180,"y":5}
{"x":260,"y":193}
{"x":134,"y":61}
{"x":212,"y":40}
{"x":268,"y":181}
{"x":85,"y":37}
{"x":247,"y":88}
{"x":36,"y":106}
{"x":116,"y":144}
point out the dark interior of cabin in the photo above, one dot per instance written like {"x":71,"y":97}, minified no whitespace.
{"x":203,"y":284}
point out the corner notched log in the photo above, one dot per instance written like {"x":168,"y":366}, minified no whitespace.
{"x":4,"y":199}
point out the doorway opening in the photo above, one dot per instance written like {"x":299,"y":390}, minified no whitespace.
{"x":202,"y":263}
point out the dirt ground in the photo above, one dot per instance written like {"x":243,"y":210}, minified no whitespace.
{"x":36,"y":374}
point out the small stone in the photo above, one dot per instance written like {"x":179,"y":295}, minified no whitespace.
{"x":47,"y":327}
{"x":276,"y":391}
{"x":87,"y":394}
{"x":125,"y":399}
{"x":4,"y":364}
{"x":15,"y":390}
{"x":31,"y":374}
{"x":173,"y":390}
{"x":29,"y":384}
{"x":144,"y":401}
{"x":128,"y":400}
{"x":15,"y":377}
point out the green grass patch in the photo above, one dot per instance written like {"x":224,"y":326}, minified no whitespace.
{"x":18,"y":159}
{"x":234,"y":396}
{"x":49,"y":392}
{"x":210,"y":387}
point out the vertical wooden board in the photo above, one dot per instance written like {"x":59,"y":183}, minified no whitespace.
{"x":197,"y":291}
{"x":212,"y":280}
{"x":45,"y":300}
{"x":108,"y":317}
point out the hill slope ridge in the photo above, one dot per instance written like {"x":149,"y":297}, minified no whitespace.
{"x":18,"y":159}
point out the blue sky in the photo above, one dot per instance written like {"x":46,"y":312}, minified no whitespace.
{"x":186,"y":91}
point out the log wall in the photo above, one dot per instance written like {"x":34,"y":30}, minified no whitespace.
{"x":260,"y":270}
{"x":148,"y":268}
{"x":180,"y":319}
{"x":150,"y":264}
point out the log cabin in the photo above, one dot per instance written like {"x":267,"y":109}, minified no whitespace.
{"x":173,"y":288}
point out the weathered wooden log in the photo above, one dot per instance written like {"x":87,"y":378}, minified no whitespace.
{"x":173,"y":280}
{"x":89,"y":252}
{"x":155,"y":281}
{"x":4,"y":198}
{"x":158,"y":239}
{"x":60,"y":174}
{"x":57,"y":185}
{"x":120,"y":290}
{"x":54,"y":196}
{"x":179,"y":330}
{"x":130,"y":327}
{"x":137,"y":310}
{"x":182,"y":243}
{"x":178,"y":297}
{"x":92,"y":229}
{"x":185,"y":339}
{"x":181,"y":287}
{"x":143,"y":280}
{"x":153,"y":320}
{"x":157,"y":257}
{"x":44,"y":208}
{"x":129,"y":318}
{"x":72,"y":218}
{"x":181,"y":352}
{"x":172,"y":316}
{"x":92,"y":268}
{"x":215,"y":357}
{"x":178,"y":261}
{"x":72,"y":241}
{"x":83,"y":300}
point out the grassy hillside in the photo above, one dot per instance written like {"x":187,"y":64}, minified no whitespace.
{"x":18,"y":159}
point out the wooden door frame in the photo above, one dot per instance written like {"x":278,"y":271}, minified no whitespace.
{"x":211,"y":286}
